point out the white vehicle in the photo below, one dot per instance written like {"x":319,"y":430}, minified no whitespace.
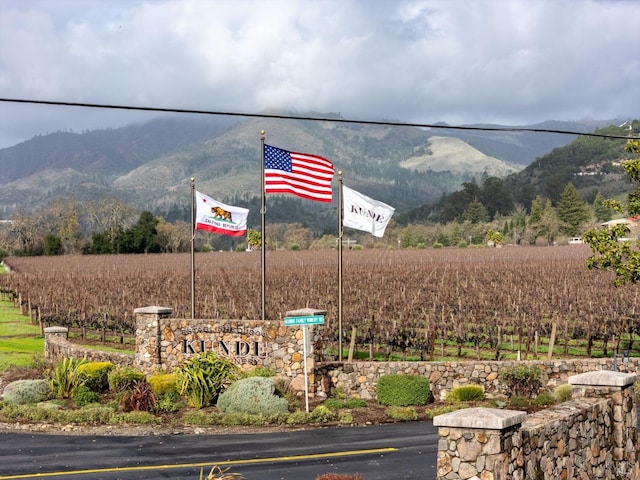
{"x":575,"y":240}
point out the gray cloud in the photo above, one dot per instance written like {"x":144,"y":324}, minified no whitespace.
{"x":495,"y":61}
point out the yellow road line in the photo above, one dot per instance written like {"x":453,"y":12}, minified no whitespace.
{"x":203,"y":464}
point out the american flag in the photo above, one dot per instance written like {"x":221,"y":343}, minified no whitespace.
{"x":307,"y":176}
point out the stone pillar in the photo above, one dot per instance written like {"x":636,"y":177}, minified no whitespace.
{"x":49,"y":332}
{"x":479,"y":443}
{"x":620,"y":388}
{"x":149,"y":337}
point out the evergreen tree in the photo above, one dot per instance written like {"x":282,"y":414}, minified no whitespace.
{"x":476,"y":212}
{"x":572,"y":211}
{"x":601,"y":209}
{"x":549,"y":225}
{"x":142,"y":237}
{"x":535,"y":217}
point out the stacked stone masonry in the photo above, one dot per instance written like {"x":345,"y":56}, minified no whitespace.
{"x":591,"y":437}
{"x":359,"y":379}
{"x":57,"y":347}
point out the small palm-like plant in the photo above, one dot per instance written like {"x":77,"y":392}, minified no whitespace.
{"x":203,"y":377}
{"x":66,"y":376}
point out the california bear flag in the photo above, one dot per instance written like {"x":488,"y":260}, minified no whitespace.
{"x":216,"y":217}
{"x":364,"y":213}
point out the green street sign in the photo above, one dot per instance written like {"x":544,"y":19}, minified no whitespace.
{"x":306,"y":320}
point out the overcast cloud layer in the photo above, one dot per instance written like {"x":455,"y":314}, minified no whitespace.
{"x":495,"y":61}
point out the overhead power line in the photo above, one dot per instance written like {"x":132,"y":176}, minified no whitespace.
{"x":322,"y":119}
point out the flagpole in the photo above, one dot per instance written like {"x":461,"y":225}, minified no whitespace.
{"x":340,"y":228}
{"x":193,"y":255}
{"x":263,"y":251}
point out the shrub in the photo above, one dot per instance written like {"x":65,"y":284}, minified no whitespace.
{"x":298,"y":418}
{"x":136,"y":418}
{"x":545,"y":399}
{"x":123,"y":378}
{"x":402,"y":414}
{"x":139,"y":399}
{"x":519,"y":401}
{"x":203,"y":377}
{"x":254,"y":419}
{"x":83,"y":395}
{"x":563,"y":393}
{"x":93,"y":413}
{"x":163,"y":383}
{"x":322,"y":414}
{"x":466,"y":393}
{"x":65,"y":376}
{"x":94,"y":375}
{"x":168,"y":402}
{"x":336,"y":404}
{"x":438,"y":245}
{"x":26,"y":391}
{"x":521,"y":380}
{"x":200,"y":417}
{"x":345,"y":416}
{"x":259,"y":371}
{"x":253,"y":395}
{"x":26,"y":413}
{"x":402,"y":390}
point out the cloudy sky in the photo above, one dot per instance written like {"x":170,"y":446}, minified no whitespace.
{"x":461,"y":61}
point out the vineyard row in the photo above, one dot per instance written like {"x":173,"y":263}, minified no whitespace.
{"x":399,"y":300}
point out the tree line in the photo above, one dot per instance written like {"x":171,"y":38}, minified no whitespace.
{"x":111,"y":226}
{"x":477,"y":214}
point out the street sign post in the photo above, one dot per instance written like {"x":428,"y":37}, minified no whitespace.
{"x":304,"y":321}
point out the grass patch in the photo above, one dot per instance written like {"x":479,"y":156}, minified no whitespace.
{"x":21,"y":352}
{"x":13,"y":323}
{"x":22,"y":345}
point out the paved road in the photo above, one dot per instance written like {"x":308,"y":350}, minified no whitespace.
{"x":397,"y":451}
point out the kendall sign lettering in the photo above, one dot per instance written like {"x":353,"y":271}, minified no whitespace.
{"x":241,"y":345}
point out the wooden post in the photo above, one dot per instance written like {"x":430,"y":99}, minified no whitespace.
{"x":352,"y":345}
{"x":552,"y":340}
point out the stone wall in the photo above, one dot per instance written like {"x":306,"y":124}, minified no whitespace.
{"x":57,"y":347}
{"x":359,"y":379}
{"x":593,"y":436}
{"x":163,"y":343}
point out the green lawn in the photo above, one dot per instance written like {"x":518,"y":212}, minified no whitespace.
{"x":20,"y":342}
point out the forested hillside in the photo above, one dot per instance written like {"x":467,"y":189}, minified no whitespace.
{"x":149,"y":165}
{"x":591,"y":164}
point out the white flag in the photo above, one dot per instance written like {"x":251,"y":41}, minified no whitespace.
{"x":216,"y":217}
{"x":364,"y":213}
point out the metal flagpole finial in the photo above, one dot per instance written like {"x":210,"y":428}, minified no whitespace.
{"x":262,"y":133}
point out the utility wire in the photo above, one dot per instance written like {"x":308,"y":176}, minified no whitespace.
{"x":319,"y":119}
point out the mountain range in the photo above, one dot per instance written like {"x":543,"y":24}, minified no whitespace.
{"x":150,"y":164}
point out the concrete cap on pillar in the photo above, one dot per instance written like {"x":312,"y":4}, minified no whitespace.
{"x":154,"y":310}
{"x":480,"y":418}
{"x":603,"y":378}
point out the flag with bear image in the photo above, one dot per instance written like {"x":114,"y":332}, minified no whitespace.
{"x":217,"y":217}
{"x":365,"y":213}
